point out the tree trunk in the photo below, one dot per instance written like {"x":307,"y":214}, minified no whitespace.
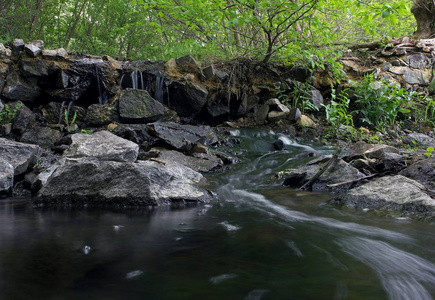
{"x":424,"y":14}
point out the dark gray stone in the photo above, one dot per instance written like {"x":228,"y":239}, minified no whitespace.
{"x":260,"y":113}
{"x":137,"y":106}
{"x":364,"y":150}
{"x":337,"y":173}
{"x":247,"y":104}
{"x":418,"y":61}
{"x":100,"y":115}
{"x":209,"y":72}
{"x":316,"y":98}
{"x":102,"y":145}
{"x":18,"y":88}
{"x":182,"y":137}
{"x":20,"y":156}
{"x":96,"y":183}
{"x":187,"y":61}
{"x":33,"y":67}
{"x":187,"y":99}
{"x":43,"y":136}
{"x":422,"y":171}
{"x":24,"y":117}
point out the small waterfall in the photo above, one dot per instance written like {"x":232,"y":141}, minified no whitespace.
{"x":134,"y":79}
{"x":61,"y":112}
{"x":167,"y":93}
{"x":137,"y":83}
{"x":158,"y":91}
{"x":102,"y":96}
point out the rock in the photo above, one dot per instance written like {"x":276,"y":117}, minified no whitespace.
{"x":391,"y":162}
{"x":33,"y":67}
{"x":389,"y":193}
{"x":6,"y":177}
{"x":137,"y":106}
{"x":182,"y":137}
{"x":20,"y":156}
{"x":72,"y":93}
{"x":2,"y":106}
{"x":294,"y":114}
{"x":187,"y":99}
{"x":272,"y":103}
{"x":38,"y":43}
{"x":17,"y":88}
{"x":2,"y":49}
{"x":305,"y":121}
{"x":171,"y":66}
{"x":24,"y":117}
{"x":17,"y":46}
{"x":115,"y":64}
{"x":274,"y":116}
{"x":260,"y":113}
{"x":45,"y":137}
{"x":337,"y":173}
{"x":102,"y":145}
{"x":422,"y":171}
{"x":209,"y":72}
{"x":316,"y":98}
{"x":56,"y":54}
{"x":419,"y":139}
{"x":247,"y":104}
{"x":100,"y":115}
{"x":201,"y":163}
{"x":188,"y":62}
{"x":32,"y":50}
{"x":420,"y":77}
{"x":362,"y":149}
{"x":99,"y":183}
{"x":5,"y":129}
{"x":418,"y":61}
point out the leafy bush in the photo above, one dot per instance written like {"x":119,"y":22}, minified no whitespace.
{"x":337,"y":111}
{"x":8,"y":113}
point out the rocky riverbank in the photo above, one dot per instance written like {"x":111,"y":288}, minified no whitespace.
{"x":88,"y":130}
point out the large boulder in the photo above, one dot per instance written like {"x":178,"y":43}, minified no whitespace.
{"x":33,"y":67}
{"x":17,"y":88}
{"x":20,"y":156}
{"x":419,"y":139}
{"x":187,"y":99}
{"x":137,"y":106}
{"x":95,"y":182}
{"x":182,"y":137}
{"x":100,"y":115}
{"x":102,"y":145}
{"x":337,"y":173}
{"x":389,"y":193}
{"x":6,"y":177}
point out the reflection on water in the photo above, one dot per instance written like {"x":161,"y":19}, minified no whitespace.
{"x":258,"y":241}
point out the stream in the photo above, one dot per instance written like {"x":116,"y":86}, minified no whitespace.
{"x":258,"y":240}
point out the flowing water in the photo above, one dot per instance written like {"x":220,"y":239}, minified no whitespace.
{"x":257,"y":241}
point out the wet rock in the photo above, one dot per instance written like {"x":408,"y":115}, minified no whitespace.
{"x":422,"y":171}
{"x":102,"y":145}
{"x":294,"y":114}
{"x":337,"y":173}
{"x":72,"y":93}
{"x":17,"y":45}
{"x":20,"y":156}
{"x":137,"y":133}
{"x":18,"y":88}
{"x":209,"y":72}
{"x":2,"y":49}
{"x":2,"y":106}
{"x":100,"y":115}
{"x":137,"y":106}
{"x":33,"y":67}
{"x":182,"y":137}
{"x":187,"y":99}
{"x":55,"y":54}
{"x":6,"y":177}
{"x":38,"y":43}
{"x":45,"y":137}
{"x":316,"y":98}
{"x":200,"y":162}
{"x":419,"y":139}
{"x":389,"y":193}
{"x":32,"y":50}
{"x":94,"y":182}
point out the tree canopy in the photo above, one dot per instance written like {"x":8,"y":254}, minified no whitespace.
{"x":280,"y":30}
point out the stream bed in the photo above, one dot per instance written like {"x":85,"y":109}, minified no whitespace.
{"x":257,"y":240}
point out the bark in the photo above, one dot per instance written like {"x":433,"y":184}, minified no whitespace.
{"x":424,"y":14}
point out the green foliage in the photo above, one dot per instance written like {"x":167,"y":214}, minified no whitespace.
{"x":8,"y":113}
{"x":86,"y":131}
{"x":379,"y":103}
{"x":429,"y":151}
{"x":337,"y":111}
{"x":299,"y":97}
{"x":69,"y":124}
{"x":277,"y":30}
